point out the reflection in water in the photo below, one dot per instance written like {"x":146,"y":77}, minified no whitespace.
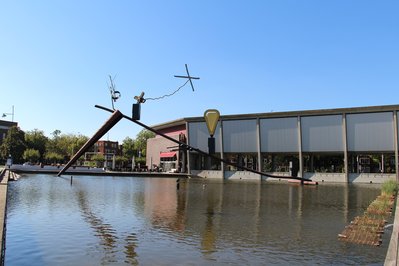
{"x":102,"y":230}
{"x":147,"y":221}
{"x":208,"y":242}
{"x":130,"y":249}
{"x":208,"y":236}
{"x":164,"y":205}
{"x":106,"y":233}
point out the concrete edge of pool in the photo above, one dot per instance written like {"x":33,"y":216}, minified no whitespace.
{"x":3,"y":211}
{"x":393,"y":249}
{"x":90,"y":171}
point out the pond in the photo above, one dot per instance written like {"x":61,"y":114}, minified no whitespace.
{"x":147,"y":221}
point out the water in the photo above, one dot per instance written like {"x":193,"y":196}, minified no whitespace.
{"x":146,"y":221}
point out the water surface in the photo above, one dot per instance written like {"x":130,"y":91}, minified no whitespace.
{"x":146,"y":221}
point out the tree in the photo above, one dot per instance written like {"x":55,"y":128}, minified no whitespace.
{"x":52,"y":144}
{"x":80,"y":141}
{"x":53,"y":157}
{"x":141,"y":141}
{"x":72,"y":143}
{"x":120,"y":161}
{"x":56,"y":133}
{"x":128,"y":148}
{"x":31,"y":155}
{"x":13,"y":144}
{"x":36,"y":140}
{"x":65,"y":144}
{"x":99,"y":159}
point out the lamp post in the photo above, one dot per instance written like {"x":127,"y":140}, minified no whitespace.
{"x":9,"y":163}
{"x":211,"y":118}
{"x":12,"y":114}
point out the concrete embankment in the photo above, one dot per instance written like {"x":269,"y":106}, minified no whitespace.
{"x":35,"y":169}
{"x":3,"y":210}
{"x":393,"y":248}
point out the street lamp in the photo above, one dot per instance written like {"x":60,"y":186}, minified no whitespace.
{"x":12,"y":113}
{"x":9,"y":163}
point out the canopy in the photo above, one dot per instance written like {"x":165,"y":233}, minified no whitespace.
{"x":168,"y":154}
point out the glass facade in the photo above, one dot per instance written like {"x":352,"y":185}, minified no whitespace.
{"x":279,"y":162}
{"x":202,"y":162}
{"x":312,"y":143}
{"x":247,"y":160}
{"x":371,"y":163}
{"x":323,"y":163}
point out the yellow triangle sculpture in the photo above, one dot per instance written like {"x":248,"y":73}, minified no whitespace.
{"x":211,"y":117}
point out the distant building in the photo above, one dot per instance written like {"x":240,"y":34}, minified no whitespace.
{"x":109,"y":149}
{"x":4,"y":127}
{"x":165,"y":154}
{"x":334,"y":145}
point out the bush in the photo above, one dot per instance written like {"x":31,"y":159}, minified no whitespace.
{"x":31,"y":155}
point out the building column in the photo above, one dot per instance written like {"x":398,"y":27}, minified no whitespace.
{"x":396,"y":140}
{"x":300,"y":148}
{"x":221,"y":148}
{"x":258,"y":139}
{"x":345,"y":147}
{"x":187,"y":150}
{"x":183,"y":160}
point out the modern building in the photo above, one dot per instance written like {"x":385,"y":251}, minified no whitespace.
{"x":333,"y":145}
{"x":165,"y":154}
{"x":4,"y":127}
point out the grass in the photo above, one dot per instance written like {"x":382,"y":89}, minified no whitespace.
{"x":389,"y":188}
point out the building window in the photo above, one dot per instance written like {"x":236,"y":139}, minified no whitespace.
{"x":247,"y":160}
{"x":279,"y":162}
{"x":323,"y":163}
{"x":168,"y":163}
{"x":202,"y":162}
{"x":371,"y":163}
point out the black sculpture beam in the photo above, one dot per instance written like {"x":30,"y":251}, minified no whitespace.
{"x":115,"y":118}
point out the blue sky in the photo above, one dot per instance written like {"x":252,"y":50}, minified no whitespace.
{"x":251,"y":56}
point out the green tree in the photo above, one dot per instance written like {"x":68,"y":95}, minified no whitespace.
{"x":52,"y":144}
{"x":128,"y":148}
{"x":120,"y":161}
{"x":65,"y":144}
{"x":141,"y":141}
{"x":99,"y":159}
{"x":71,"y":143}
{"x":53,"y":157}
{"x":13,"y":144}
{"x":36,"y":140}
{"x":140,"y":161}
{"x":31,"y":155}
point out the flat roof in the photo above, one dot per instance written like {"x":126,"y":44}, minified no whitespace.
{"x":8,"y":123}
{"x":350,"y":110}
